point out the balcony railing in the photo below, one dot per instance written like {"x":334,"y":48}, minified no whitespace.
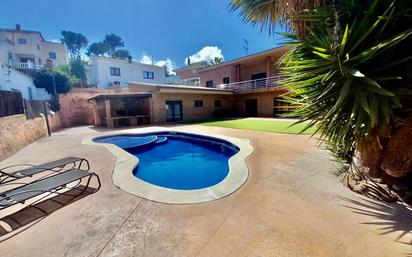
{"x":27,"y":66}
{"x":253,"y":85}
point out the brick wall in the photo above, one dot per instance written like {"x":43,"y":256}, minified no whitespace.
{"x":190,"y":112}
{"x":217,"y":75}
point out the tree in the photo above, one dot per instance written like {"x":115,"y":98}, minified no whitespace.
{"x":268,"y":12}
{"x":74,"y":42}
{"x":112,"y":42}
{"x":78,"y":70}
{"x":54,"y":81}
{"x":215,"y":61}
{"x":108,"y":47}
{"x":122,"y":54}
{"x":347,"y":73}
{"x":97,"y":49}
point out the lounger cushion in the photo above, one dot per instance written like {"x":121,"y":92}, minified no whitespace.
{"x":39,"y":187}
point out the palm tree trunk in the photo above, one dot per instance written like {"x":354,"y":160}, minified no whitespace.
{"x":369,"y":157}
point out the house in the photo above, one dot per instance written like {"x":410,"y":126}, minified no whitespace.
{"x":248,"y":86}
{"x":105,"y":72}
{"x":254,"y":80}
{"x":23,"y":51}
{"x":26,"y":49}
{"x":189,"y":75}
{"x":15,"y":80}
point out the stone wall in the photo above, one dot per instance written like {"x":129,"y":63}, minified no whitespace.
{"x":16,"y":132}
{"x":75,"y":109}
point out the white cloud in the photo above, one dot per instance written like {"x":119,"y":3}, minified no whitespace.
{"x":207,"y":53}
{"x":170,"y":65}
{"x":55,"y":40}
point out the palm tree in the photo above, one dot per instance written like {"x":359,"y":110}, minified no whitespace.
{"x":268,"y":12}
{"x":348,"y":72}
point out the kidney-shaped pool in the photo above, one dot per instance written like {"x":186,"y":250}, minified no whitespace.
{"x":177,"y":160}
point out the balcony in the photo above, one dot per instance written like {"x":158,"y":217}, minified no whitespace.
{"x":256,"y":85}
{"x":27,"y":66}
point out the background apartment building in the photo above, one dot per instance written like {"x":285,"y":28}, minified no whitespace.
{"x":105,"y":72}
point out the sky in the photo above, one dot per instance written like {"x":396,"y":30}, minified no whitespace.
{"x":166,"y":31}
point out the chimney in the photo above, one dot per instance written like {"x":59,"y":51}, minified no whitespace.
{"x":129,"y":58}
{"x":188,"y":61}
{"x":18,"y":27}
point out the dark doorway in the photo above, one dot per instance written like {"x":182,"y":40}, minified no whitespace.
{"x":26,"y":59}
{"x":174,"y":111}
{"x":258,"y":76}
{"x":251,"y":107}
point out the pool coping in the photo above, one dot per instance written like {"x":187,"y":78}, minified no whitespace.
{"x":124,"y":179}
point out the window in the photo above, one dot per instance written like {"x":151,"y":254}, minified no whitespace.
{"x":148,"y":75}
{"x":22,"y":41}
{"x":38,"y":47}
{"x":281,"y":107}
{"x":116,"y":83}
{"x":198,"y":103}
{"x":52,"y":55}
{"x":10,"y":56}
{"x":226,"y":80}
{"x":209,"y":83}
{"x":218,"y":103}
{"x":114,"y":71}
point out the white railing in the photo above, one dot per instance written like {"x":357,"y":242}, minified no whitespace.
{"x":252,"y":85}
{"x":28,"y":66}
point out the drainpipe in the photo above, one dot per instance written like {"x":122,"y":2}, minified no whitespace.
{"x":46,"y":116}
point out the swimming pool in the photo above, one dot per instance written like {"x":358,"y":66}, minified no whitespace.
{"x":176,"y":160}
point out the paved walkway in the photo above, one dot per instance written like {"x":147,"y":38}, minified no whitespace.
{"x":291,"y":205}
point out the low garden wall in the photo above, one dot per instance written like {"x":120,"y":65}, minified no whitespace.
{"x":17,"y":131}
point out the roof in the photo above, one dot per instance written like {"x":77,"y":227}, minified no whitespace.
{"x":120,"y":95}
{"x":243,"y":58}
{"x":184,"y":87}
{"x":201,"y":64}
{"x":28,"y":32}
{"x":124,"y":61}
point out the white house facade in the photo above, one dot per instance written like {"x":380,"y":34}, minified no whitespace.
{"x":14,"y":80}
{"x":106,"y":72}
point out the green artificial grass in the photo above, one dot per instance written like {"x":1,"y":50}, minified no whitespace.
{"x":275,"y":126}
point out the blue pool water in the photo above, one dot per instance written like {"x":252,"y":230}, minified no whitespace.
{"x":178,"y":160}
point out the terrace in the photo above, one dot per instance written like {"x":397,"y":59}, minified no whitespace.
{"x":281,"y":210}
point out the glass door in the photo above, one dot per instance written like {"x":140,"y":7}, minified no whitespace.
{"x":174,"y":111}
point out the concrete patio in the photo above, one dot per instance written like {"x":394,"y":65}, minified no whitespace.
{"x":291,"y":205}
